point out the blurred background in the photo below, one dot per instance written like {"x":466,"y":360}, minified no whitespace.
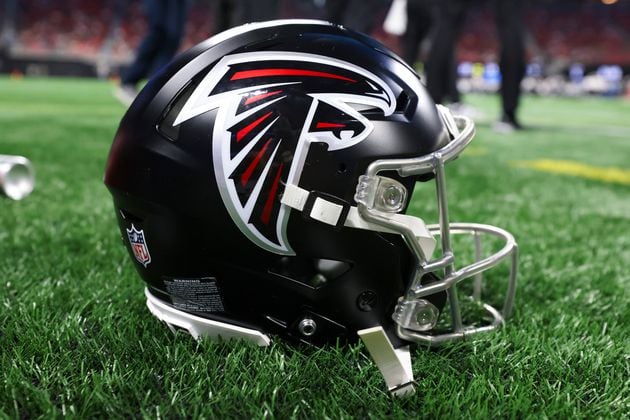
{"x":574,"y":47}
{"x":76,"y":339}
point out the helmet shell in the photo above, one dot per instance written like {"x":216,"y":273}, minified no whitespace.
{"x":165,"y":183}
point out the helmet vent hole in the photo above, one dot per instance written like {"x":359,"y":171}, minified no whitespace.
{"x":342,"y":168}
{"x":402,"y":103}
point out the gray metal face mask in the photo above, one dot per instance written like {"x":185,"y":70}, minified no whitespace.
{"x":415,"y":316}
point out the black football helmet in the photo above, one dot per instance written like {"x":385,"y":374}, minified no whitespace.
{"x":261,"y":181}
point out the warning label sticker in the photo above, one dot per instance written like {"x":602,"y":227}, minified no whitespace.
{"x":195,"y":294}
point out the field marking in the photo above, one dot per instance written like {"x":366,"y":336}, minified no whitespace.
{"x":567,"y":167}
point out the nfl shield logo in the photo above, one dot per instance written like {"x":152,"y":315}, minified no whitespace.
{"x":139,"y":245}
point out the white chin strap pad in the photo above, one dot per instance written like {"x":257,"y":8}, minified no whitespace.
{"x":326,"y":211}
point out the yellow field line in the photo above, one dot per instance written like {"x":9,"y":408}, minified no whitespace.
{"x":581,"y":170}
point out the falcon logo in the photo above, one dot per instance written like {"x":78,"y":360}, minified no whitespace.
{"x":270,"y":107}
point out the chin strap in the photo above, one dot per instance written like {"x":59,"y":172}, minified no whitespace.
{"x":335,"y":212}
{"x":394,"y":364}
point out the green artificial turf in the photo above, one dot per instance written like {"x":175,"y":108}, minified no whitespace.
{"x":77,"y":340}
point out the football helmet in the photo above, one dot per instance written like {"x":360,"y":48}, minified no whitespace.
{"x":261,"y":183}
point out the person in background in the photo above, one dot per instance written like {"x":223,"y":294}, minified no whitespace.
{"x":231,"y":13}
{"x":511,"y":29}
{"x":223,"y":13}
{"x":419,"y":20}
{"x":441,"y":65}
{"x":167,"y":22}
{"x":576,"y":73}
{"x":360,"y":15}
{"x":256,"y":10}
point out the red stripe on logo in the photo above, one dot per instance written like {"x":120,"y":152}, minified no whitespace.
{"x":245,"y":130}
{"x":329,"y":125}
{"x":253,"y":99}
{"x":248,"y":74}
{"x":266,"y":214}
{"x":252,"y":166}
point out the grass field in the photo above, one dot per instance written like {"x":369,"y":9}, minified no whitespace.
{"x":77,"y":340}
